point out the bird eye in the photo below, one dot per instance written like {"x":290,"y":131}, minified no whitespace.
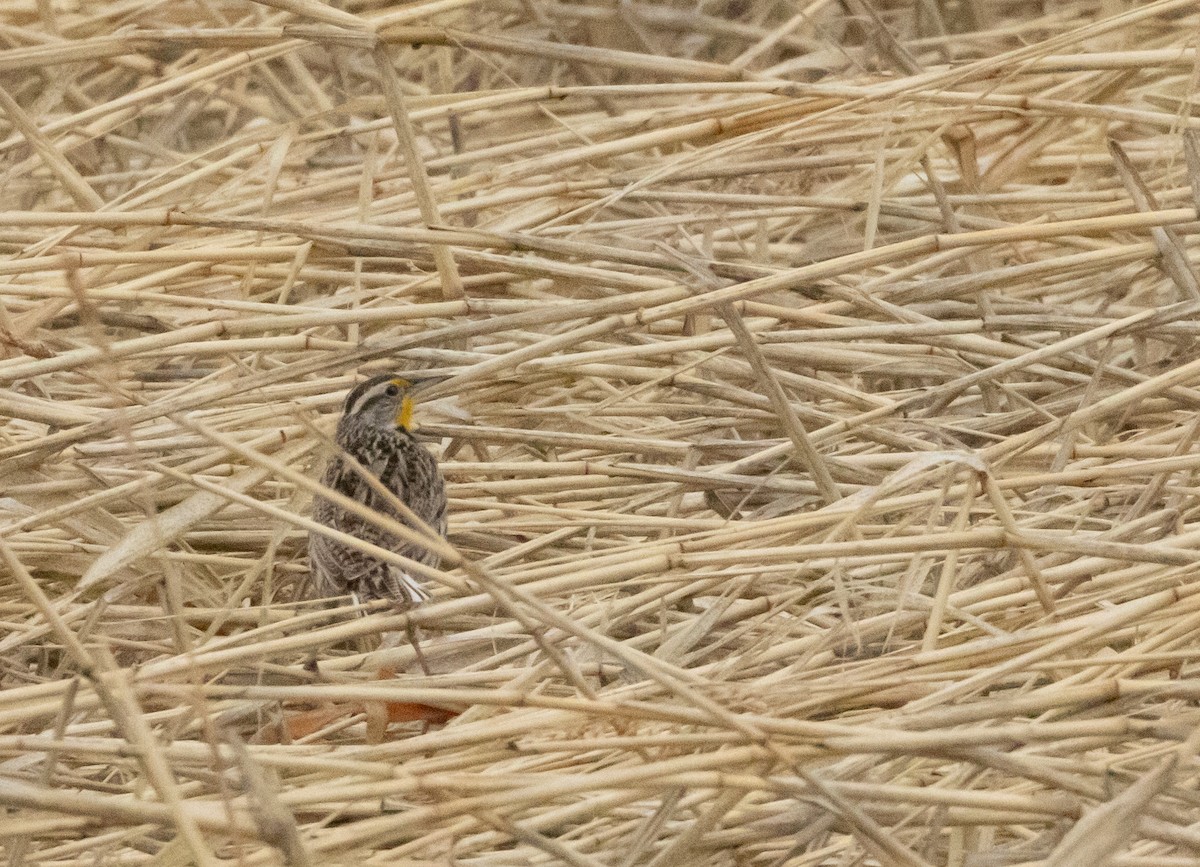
{"x":392,"y":391}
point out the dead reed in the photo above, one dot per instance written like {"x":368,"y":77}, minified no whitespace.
{"x":821,"y":430}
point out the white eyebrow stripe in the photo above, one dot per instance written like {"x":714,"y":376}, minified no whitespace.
{"x":361,"y":400}
{"x":368,"y":390}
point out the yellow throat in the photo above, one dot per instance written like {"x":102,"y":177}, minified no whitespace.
{"x":404,"y":417}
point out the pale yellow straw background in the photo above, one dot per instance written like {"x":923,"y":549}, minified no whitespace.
{"x":821,"y":430}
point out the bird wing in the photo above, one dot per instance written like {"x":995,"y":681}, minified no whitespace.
{"x":349,"y":480}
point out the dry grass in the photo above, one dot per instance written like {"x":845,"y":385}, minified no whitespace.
{"x":821,"y":430}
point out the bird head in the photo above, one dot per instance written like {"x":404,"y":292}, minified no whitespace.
{"x":382,"y":401}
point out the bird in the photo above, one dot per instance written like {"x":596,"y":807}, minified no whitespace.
{"x":375,"y":430}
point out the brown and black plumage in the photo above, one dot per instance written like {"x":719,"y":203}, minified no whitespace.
{"x":374,"y":430}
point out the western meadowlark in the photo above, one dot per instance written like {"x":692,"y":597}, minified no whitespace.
{"x":374,"y":430}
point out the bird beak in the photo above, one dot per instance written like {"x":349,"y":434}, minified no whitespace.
{"x":416,"y":384}
{"x":422,"y":382}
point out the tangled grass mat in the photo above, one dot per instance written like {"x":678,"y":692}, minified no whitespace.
{"x":820,"y":428}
